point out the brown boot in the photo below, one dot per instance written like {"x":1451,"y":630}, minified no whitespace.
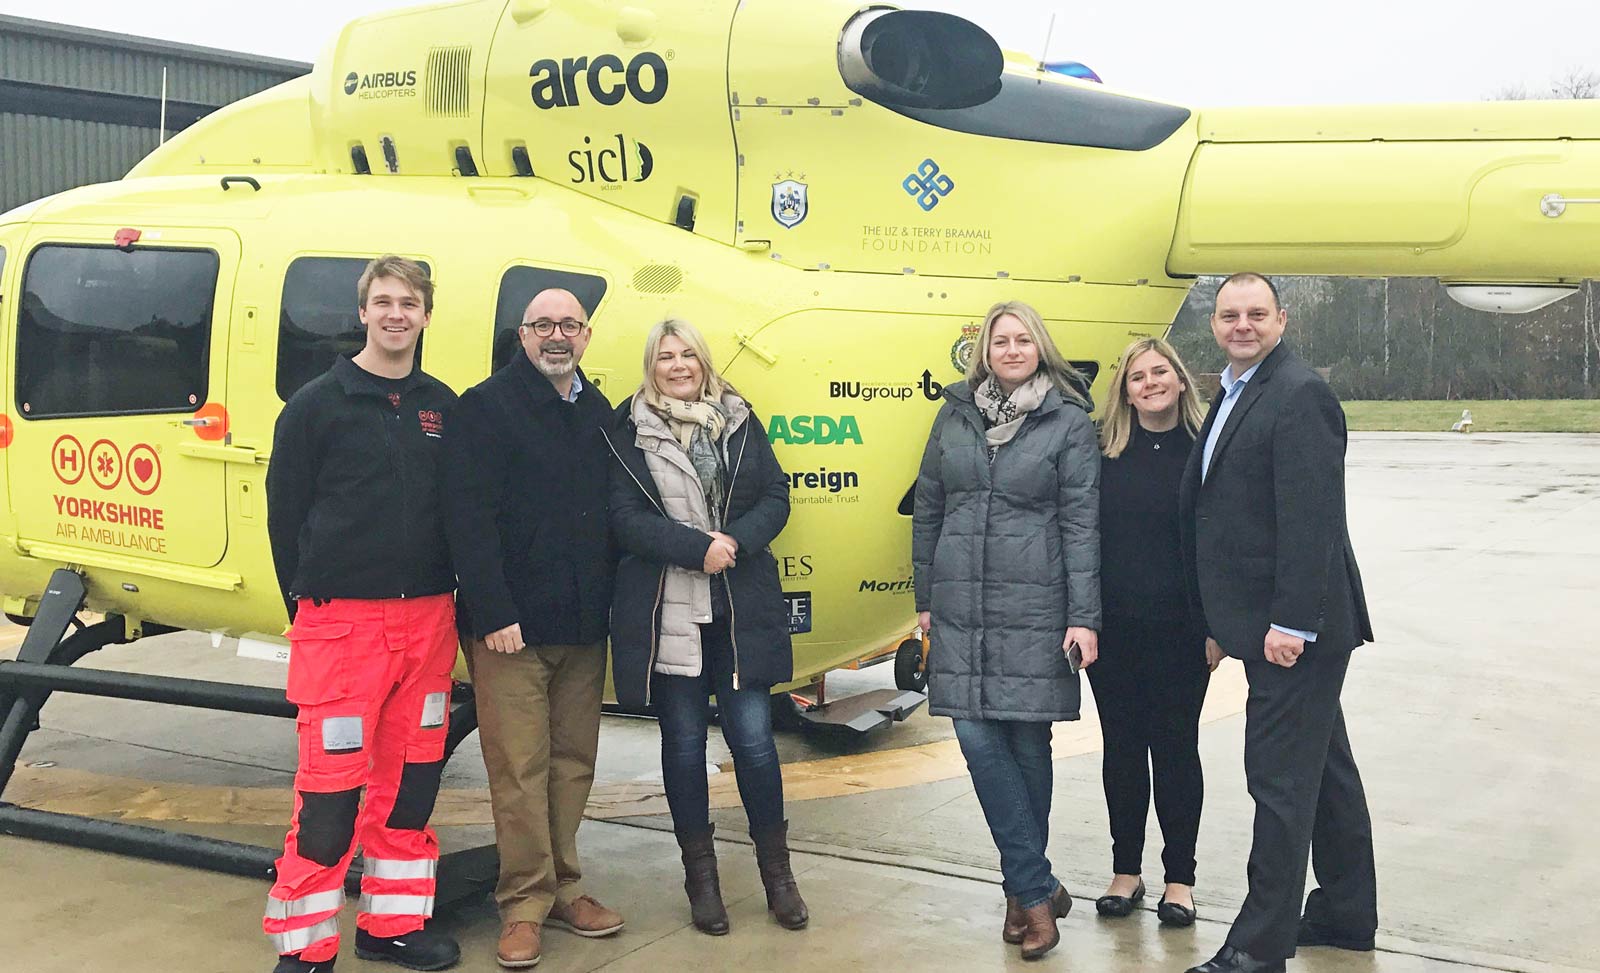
{"x":783,"y":896}
{"x":519,"y":946}
{"x":1016,"y":927}
{"x":1041,"y":934}
{"x":700,"y":882}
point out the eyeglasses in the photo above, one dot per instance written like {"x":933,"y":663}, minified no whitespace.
{"x":544,"y":327}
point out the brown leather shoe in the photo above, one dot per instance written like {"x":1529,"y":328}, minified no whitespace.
{"x":519,"y":946}
{"x":585,"y":916}
{"x":1041,"y":935}
{"x":1016,"y":927}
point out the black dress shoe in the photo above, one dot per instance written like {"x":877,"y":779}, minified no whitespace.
{"x":1230,"y":960}
{"x":1174,"y":913}
{"x":1314,"y":933}
{"x":1118,"y":906}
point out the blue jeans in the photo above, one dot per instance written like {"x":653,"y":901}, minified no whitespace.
{"x":1009,"y":761}
{"x":682,"y":705}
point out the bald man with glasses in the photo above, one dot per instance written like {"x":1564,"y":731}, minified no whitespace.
{"x":527,"y":526}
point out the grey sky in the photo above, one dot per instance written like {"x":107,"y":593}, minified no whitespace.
{"x":1194,"y":52}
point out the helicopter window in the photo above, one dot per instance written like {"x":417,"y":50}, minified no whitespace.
{"x":518,"y":287}
{"x":319,"y":319}
{"x":102,"y":331}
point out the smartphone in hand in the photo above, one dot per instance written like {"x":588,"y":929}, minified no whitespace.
{"x":1074,"y":657}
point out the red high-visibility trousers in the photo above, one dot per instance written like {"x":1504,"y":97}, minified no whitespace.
{"x":372,"y":680}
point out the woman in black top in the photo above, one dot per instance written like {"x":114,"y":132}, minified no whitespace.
{"x":1154,"y":662}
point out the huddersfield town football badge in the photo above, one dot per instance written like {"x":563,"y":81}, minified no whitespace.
{"x":789,"y":203}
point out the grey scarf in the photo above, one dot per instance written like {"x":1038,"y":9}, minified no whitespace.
{"x":1004,"y":414}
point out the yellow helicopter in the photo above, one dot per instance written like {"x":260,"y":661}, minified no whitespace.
{"x":835,"y":193}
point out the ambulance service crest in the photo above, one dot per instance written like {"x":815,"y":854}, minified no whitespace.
{"x":789,"y":205}
{"x":961,"y":351}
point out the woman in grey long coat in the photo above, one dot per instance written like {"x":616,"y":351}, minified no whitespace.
{"x":1006,"y":554}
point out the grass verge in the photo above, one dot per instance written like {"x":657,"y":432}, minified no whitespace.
{"x":1526,"y":415}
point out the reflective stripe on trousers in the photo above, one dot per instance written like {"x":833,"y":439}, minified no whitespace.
{"x":295,"y":940}
{"x":305,"y":905}
{"x":395,"y":869}
{"x":396,"y":905}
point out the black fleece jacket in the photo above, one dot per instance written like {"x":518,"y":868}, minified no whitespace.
{"x":353,"y":488}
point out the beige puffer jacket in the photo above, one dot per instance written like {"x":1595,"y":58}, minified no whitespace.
{"x":685,"y":594}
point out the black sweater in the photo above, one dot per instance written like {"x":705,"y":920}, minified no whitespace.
{"x":1141,"y":569}
{"x":353,"y":487}
{"x":525,"y":508}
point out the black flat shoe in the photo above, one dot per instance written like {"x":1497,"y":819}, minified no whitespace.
{"x":1316,"y":934}
{"x":1173,"y":914}
{"x":1119,"y":906}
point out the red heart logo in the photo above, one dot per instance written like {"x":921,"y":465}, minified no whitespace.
{"x":142,"y":468}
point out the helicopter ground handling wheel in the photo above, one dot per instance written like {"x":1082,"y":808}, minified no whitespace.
{"x":910,"y":666}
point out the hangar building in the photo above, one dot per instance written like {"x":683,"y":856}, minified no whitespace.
{"x":80,"y":106}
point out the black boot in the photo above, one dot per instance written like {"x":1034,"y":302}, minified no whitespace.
{"x":783,"y":896}
{"x":294,"y":964}
{"x":423,"y":949}
{"x":700,"y":882}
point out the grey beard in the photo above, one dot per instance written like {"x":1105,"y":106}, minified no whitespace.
{"x":552,"y":370}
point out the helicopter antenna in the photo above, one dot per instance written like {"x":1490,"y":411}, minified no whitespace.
{"x":1049,"y":31}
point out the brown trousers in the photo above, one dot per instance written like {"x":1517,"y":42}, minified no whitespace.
{"x":539,"y":726}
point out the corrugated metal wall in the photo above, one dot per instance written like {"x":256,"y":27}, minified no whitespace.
{"x":42,"y":156}
{"x":43,"y":153}
{"x":106,"y":67}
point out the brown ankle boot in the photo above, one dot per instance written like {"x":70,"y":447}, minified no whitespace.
{"x":1015,"y":927}
{"x":1041,"y":934}
{"x":783,"y":896}
{"x":700,"y":882}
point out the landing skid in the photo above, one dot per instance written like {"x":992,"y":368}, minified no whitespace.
{"x":43,"y":666}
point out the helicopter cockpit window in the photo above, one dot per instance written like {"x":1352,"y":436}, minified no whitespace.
{"x":946,"y":71}
{"x":518,"y":287}
{"x":102,"y":331}
{"x":319,"y":319}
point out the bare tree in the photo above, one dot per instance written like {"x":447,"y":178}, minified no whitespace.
{"x":1574,"y":84}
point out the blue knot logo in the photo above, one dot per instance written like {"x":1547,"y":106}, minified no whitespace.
{"x":928,"y":185}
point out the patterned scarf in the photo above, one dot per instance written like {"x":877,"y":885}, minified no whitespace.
{"x":698,"y":428}
{"x":1004,"y":414}
{"x":685,"y":418}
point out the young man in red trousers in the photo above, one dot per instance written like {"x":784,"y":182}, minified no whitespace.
{"x":358,"y":543}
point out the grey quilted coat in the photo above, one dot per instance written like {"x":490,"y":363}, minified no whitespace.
{"x":1006,"y":557}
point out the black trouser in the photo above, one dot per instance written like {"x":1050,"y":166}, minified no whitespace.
{"x":1308,"y":797}
{"x":1149,"y":683}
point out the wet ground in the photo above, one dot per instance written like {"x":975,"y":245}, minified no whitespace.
{"x":1474,"y":721}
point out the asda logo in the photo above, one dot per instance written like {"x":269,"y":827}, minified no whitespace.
{"x":813,"y":430}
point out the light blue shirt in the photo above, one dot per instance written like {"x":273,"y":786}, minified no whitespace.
{"x":1232,"y":388}
{"x":577,"y":386}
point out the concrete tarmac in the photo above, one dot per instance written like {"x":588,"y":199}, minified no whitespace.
{"x":1473,"y":719}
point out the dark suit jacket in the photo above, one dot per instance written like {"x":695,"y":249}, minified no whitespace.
{"x":1264,"y":537}
{"x":525,"y":508}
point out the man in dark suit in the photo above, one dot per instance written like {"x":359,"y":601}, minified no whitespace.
{"x":1268,"y":555}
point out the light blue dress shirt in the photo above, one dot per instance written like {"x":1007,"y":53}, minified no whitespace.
{"x":577,"y":386}
{"x":1232,"y":388}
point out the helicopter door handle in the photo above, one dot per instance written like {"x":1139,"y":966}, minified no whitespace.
{"x":1555,"y":204}
{"x":200,"y":421}
{"x":746,"y":341}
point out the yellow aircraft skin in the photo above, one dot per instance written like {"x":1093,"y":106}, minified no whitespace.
{"x":841,"y":256}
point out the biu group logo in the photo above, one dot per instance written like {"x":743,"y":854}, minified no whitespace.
{"x":351,"y":82}
{"x":928,"y":185}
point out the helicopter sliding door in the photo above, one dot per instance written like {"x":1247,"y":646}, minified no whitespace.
{"x":118,"y":380}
